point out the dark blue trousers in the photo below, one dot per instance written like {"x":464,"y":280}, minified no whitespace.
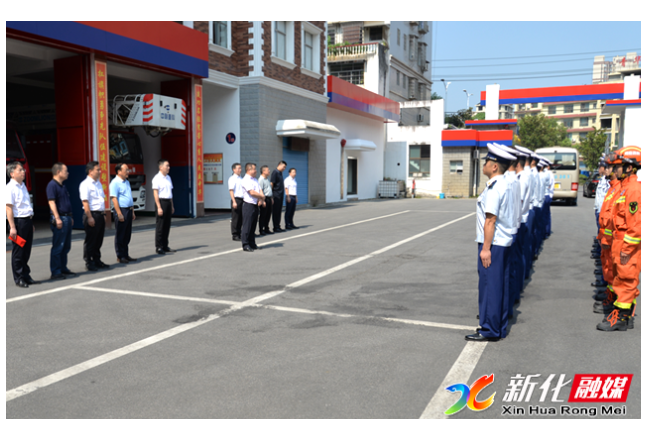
{"x":493,"y":293}
{"x":516,"y":272}
{"x":548,"y":215}
{"x":123,"y":232}
{"x":522,"y":243}
{"x":536,"y":237}
{"x":529,"y":242}
{"x":61,"y":244}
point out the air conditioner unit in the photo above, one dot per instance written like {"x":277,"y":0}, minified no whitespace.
{"x":420,"y":118}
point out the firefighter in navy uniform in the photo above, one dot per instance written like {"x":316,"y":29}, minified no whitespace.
{"x":626,"y":240}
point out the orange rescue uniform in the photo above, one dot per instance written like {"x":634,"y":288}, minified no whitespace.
{"x":605,"y":231}
{"x":626,"y":238}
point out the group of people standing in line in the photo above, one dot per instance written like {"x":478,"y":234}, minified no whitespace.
{"x":255,"y":201}
{"x":513,"y":219}
{"x":20,"y":214}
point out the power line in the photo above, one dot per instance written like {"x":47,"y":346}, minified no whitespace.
{"x":523,"y":73}
{"x":513,"y":79}
{"x":514,"y":64}
{"x":539,"y":56}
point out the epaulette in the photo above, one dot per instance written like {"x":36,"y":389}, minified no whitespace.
{"x":492,"y":184}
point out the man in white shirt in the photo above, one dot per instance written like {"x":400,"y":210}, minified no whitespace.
{"x":494,"y":227}
{"x":19,"y":214}
{"x":251,"y":196}
{"x":235,"y":192}
{"x":550,"y":194}
{"x":537,"y":204}
{"x":291,"y":199}
{"x":266,"y":206}
{"x":93,"y":199}
{"x":527,"y":184}
{"x":163,"y":193}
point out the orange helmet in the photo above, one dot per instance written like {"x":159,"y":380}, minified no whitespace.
{"x":630,"y":154}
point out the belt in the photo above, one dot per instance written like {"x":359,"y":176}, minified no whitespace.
{"x":126,"y":207}
{"x":66,"y":214}
{"x":23,"y":218}
{"x":165,"y":199}
{"x":97,"y":212}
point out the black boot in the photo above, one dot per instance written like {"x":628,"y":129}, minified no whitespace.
{"x":631,"y":320}
{"x":598,"y":272}
{"x":617,"y":320}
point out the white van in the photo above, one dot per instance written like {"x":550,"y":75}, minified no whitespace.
{"x":566,"y":172}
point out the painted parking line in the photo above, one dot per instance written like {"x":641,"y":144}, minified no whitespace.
{"x":279,"y":308}
{"x":115,"y":354}
{"x":460,"y":372}
{"x":191,"y":260}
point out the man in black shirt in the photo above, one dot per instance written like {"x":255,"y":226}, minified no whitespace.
{"x":61,"y":222}
{"x":278,"y":188}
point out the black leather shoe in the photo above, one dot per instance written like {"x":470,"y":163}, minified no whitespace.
{"x":247,"y":249}
{"x":123,"y":260}
{"x":236,"y":238}
{"x":279,"y":230}
{"x":160,"y":251}
{"x":167,"y":250}
{"x":597,"y":262}
{"x":288,"y":227}
{"x":598,"y":272}
{"x":255,"y":247}
{"x":599,"y":284}
{"x":595,"y":256}
{"x":102,"y":265}
{"x":600,"y":296}
{"x":58,"y":276}
{"x":295,"y":227}
{"x":129,"y":258}
{"x":477,"y":337}
{"x":30,"y":281}
{"x":267,"y":231}
{"x":22,"y":283}
{"x":262,"y":234}
{"x":68,"y":273}
{"x":91,"y":267}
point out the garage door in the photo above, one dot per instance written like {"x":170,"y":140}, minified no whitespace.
{"x":298,"y":160}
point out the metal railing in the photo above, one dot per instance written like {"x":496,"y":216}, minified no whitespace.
{"x":351,"y":76}
{"x":358,"y":51}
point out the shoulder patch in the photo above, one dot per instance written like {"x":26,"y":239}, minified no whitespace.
{"x":492,"y":184}
{"x":633,"y":207}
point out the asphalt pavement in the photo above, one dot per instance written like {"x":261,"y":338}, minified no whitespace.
{"x":360,"y":313}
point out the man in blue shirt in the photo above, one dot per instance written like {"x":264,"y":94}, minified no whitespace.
{"x":60,"y":222}
{"x":122,"y":213}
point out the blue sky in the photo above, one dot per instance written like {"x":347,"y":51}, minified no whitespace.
{"x":479,"y":46}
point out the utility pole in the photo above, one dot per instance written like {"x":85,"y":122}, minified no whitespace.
{"x":446,"y":96}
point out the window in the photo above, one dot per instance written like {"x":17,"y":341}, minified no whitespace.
{"x":220,"y":33}
{"x":376,"y":33}
{"x":348,"y":71}
{"x":399,"y":32}
{"x":455,"y":167}
{"x":583,"y":122}
{"x":551,"y":110}
{"x":280,"y":38}
{"x":419,"y":164}
{"x":582,"y":136}
{"x":593,"y":121}
{"x":568,"y":108}
{"x":404,"y":42}
{"x":562,"y":161}
{"x":405,"y":80}
{"x":584,"y":107}
{"x":534,"y":104}
{"x":569,"y":136}
{"x":569,"y":123}
{"x":412,"y":48}
{"x":397,"y":76}
{"x":594,"y":105}
{"x":309,"y":49}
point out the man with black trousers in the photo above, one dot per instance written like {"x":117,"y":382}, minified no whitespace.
{"x":235,"y":192}
{"x":278,"y":188}
{"x":60,"y":222}
{"x":124,"y":214}
{"x":252,"y":195}
{"x":93,"y":198}
{"x":266,"y":205}
{"x":163,"y":193}
{"x":19,"y":214}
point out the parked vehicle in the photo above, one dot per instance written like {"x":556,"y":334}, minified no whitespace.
{"x":590,"y":185}
{"x":566,"y":172}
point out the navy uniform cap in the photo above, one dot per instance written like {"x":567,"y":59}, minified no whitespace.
{"x":507,"y":149}
{"x":498,"y":155}
{"x":527,"y":151}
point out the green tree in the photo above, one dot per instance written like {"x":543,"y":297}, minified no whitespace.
{"x":435,"y":96}
{"x":459,"y":117}
{"x":537,"y":131}
{"x":592,"y":147}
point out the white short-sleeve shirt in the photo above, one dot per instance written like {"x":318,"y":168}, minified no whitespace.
{"x":526,"y":183}
{"x":495,"y":200}
{"x":514,"y":188}
{"x":249,"y":184}
{"x":92,"y":191}
{"x":537,"y":200}
{"x":164,"y":185}
{"x":18,"y":196}
{"x":291,"y":186}
{"x":235,"y":185}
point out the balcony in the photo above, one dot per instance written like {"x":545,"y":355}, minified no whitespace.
{"x":352,"y":76}
{"x":352,"y":52}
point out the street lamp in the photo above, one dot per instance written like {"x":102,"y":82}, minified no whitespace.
{"x":468,"y":94}
{"x":446,"y":96}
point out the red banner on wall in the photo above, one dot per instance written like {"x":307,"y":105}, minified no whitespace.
{"x":101,"y":82}
{"x":198,"y":143}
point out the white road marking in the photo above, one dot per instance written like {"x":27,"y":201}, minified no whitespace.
{"x":191,"y":260}
{"x":157,"y":295}
{"x":115,"y":354}
{"x":279,"y":308}
{"x":460,"y":372}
